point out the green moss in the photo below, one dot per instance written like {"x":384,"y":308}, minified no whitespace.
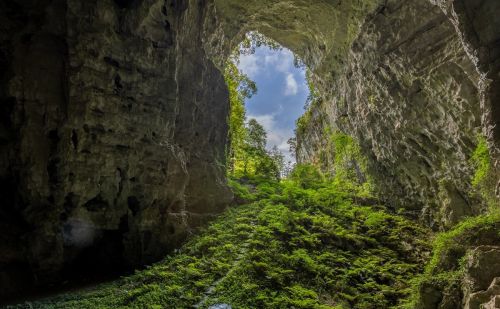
{"x":485,"y":176}
{"x":307,"y":176}
{"x":481,"y":161}
{"x":302,"y":123}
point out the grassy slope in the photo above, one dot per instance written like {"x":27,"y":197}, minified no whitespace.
{"x":293,"y":248}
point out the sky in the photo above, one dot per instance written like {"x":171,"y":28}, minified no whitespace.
{"x":282,"y":93}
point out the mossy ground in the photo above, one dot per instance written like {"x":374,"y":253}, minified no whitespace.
{"x":293,"y":247}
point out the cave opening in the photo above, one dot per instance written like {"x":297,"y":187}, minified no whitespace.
{"x":134,"y":154}
{"x":282,"y":93}
{"x":273,"y":89}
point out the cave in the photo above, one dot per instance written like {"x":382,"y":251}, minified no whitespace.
{"x":114,"y":116}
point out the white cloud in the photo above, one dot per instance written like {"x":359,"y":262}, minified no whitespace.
{"x":267,"y":121}
{"x":285,"y":63}
{"x":249,"y":64}
{"x":292,"y":88}
{"x":271,"y":58}
{"x":282,"y":60}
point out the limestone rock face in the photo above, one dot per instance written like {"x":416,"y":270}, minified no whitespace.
{"x":414,"y":96}
{"x":477,"y":288}
{"x":113,"y":134}
{"x":479,"y":27}
{"x":413,"y":81}
{"x":482,"y":279}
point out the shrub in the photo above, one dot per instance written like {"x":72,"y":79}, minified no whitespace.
{"x":307,"y":176}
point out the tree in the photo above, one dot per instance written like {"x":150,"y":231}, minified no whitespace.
{"x":247,"y":149}
{"x":240,"y":87}
{"x":257,"y":135}
{"x":307,"y":176}
{"x":254,"y":147}
{"x":292,"y":143}
{"x":271,"y":164}
{"x":252,"y":41}
{"x":279,"y":161}
{"x":288,"y":168}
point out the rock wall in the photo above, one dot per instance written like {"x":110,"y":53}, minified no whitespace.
{"x":479,"y":29}
{"x":413,"y":81}
{"x":417,"y":101}
{"x":113,"y":134}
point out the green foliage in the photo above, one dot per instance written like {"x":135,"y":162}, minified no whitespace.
{"x":237,"y":131}
{"x":251,"y":42}
{"x":302,"y":123}
{"x":256,"y":136}
{"x":247,"y":154}
{"x":343,"y":164}
{"x":457,"y":238}
{"x":253,"y":159}
{"x":481,"y":161}
{"x":307,"y":176}
{"x":445,"y":269}
{"x":485,"y":175}
{"x":314,"y":97}
{"x":350,"y":165}
{"x":241,"y":192}
{"x":298,"y":246}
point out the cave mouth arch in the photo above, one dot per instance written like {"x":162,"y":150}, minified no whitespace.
{"x":142,"y":83}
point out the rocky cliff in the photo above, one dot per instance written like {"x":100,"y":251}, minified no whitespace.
{"x":113,"y":134}
{"x":114,"y":129}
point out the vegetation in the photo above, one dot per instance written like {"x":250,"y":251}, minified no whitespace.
{"x":251,"y":42}
{"x":301,"y":244}
{"x":341,"y":155}
{"x":313,"y":100}
{"x":350,"y":166}
{"x":484,"y":178}
{"x":247,"y":154}
{"x":481,"y":161}
{"x":240,"y":87}
{"x":444,"y":271}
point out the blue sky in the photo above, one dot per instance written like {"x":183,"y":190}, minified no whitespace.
{"x":282,"y":93}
